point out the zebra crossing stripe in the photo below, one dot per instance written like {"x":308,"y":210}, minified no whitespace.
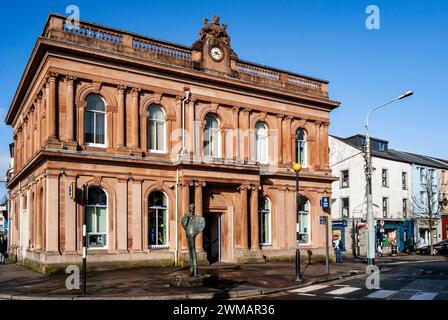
{"x":343,"y":290}
{"x":424,"y":296}
{"x":309,"y":288}
{"x":381,"y":294}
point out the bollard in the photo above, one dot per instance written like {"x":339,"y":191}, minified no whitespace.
{"x":298,"y":277}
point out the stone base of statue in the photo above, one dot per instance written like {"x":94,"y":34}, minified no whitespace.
{"x":202,"y":280}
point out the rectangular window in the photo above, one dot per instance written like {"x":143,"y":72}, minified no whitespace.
{"x":432,"y":176}
{"x":385,"y":207}
{"x":404,"y":180}
{"x":422,"y":175}
{"x":422,"y":197}
{"x":384,"y":177}
{"x":303,"y":224}
{"x":345,"y":207}
{"x":405,"y":208}
{"x":96,"y":226}
{"x":344,"y":179}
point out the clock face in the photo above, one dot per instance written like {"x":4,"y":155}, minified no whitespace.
{"x":216,"y":53}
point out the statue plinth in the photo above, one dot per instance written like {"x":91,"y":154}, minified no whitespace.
{"x":202,"y":280}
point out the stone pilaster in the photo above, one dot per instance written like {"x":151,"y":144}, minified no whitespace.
{"x":70,"y":81}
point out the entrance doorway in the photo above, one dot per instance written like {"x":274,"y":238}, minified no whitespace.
{"x":212,"y":237}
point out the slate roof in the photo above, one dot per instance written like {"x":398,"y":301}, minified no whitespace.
{"x":401,"y":156}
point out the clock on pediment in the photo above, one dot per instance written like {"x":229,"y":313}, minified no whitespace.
{"x":214,"y":48}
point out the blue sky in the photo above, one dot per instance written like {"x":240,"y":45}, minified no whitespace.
{"x":326,"y":39}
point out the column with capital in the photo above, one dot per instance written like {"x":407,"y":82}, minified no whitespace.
{"x":236,"y":134}
{"x":280,"y":138}
{"x":25,"y":140}
{"x":324,"y":141}
{"x":245,"y":127}
{"x":244,"y":218}
{"x":288,"y":150}
{"x":134,"y":118}
{"x":317,"y":146}
{"x":254,"y":241}
{"x":198,"y":210}
{"x":52,"y":107}
{"x":18,"y":147}
{"x":32,"y":128}
{"x":185,"y":196}
{"x":39,"y":115}
{"x":121,"y":125}
{"x":70,"y":80}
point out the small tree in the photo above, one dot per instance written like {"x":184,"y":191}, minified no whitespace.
{"x":427,"y":205}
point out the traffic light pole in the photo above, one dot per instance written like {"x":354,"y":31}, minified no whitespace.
{"x":84,"y":241}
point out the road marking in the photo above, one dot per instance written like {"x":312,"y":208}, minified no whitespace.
{"x":306,"y":294}
{"x":411,"y":262}
{"x":424,"y":296}
{"x":341,"y":285}
{"x":309,"y":288}
{"x":381,"y":294}
{"x":344,"y":290}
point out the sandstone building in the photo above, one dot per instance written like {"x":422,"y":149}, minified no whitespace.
{"x":149,"y":127}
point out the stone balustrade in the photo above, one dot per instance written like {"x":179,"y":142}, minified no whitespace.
{"x":116,"y":41}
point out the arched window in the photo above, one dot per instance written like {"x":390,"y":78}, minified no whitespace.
{"x":156,"y":129}
{"x":261,"y":145}
{"x":303,"y":222}
{"x":211,"y":137}
{"x":157,"y":220}
{"x":301,"y":147}
{"x":96,"y":218}
{"x":264,"y":220}
{"x":95,"y":121}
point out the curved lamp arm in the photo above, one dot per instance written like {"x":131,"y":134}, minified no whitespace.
{"x":404,"y":95}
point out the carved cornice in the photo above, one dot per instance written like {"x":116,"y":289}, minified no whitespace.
{"x":70,"y":79}
{"x":51,"y":77}
{"x":135,"y":91}
{"x":121,"y":88}
{"x":97,"y":85}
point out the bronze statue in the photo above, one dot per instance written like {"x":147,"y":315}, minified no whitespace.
{"x":193,"y":225}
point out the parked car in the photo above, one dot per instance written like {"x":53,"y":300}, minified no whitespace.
{"x":438,"y":248}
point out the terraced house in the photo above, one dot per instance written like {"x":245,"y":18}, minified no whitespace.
{"x":150,"y":127}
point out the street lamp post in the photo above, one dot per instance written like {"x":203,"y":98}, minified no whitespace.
{"x":297,"y":167}
{"x":368,"y":172}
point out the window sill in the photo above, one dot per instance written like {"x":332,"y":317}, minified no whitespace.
{"x":94,"y":145}
{"x":157,"y":152}
{"x":158,"y":247}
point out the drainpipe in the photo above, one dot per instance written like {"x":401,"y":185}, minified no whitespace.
{"x":186,"y":99}
{"x":182,"y":151}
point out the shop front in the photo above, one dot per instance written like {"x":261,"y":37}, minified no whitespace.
{"x":394,"y":232}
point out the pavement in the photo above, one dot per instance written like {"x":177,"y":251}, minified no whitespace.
{"x":421,"y":278}
{"x":235,"y":281}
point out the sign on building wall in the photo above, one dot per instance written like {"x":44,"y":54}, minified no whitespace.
{"x":325,"y":202}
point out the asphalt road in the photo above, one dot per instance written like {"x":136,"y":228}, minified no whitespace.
{"x":415,"y":280}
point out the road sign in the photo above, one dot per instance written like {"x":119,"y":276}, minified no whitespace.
{"x":323,"y":219}
{"x":325,"y":202}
